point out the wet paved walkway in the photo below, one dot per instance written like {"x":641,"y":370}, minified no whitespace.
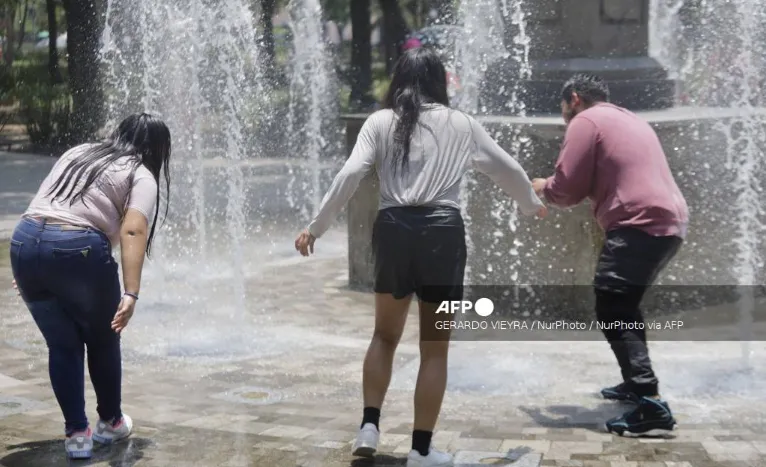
{"x":281,"y":386}
{"x":278,"y":383}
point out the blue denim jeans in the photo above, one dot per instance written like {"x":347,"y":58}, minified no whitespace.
{"x":68,"y":280}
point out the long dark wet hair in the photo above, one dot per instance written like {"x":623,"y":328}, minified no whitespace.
{"x":419,"y":78}
{"x":141,"y":139}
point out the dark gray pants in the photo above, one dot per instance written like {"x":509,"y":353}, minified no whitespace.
{"x":628,"y":265}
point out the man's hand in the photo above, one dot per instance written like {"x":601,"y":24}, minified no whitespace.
{"x":538,"y":185}
{"x":16,"y":287}
{"x":542,"y":212}
{"x":305,"y":243}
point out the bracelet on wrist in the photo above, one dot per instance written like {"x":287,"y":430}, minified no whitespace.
{"x":129,"y":294}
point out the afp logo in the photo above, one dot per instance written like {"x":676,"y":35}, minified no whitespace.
{"x":483,"y":307}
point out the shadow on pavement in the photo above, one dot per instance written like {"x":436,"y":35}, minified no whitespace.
{"x":380,"y":461}
{"x":575,"y":416}
{"x":50,"y":453}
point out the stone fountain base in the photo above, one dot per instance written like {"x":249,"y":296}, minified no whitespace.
{"x":561,"y":250}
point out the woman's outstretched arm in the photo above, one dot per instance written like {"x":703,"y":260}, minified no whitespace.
{"x":491,"y":160}
{"x":358,"y":165}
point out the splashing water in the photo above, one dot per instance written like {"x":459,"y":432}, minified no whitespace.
{"x":746,"y":137}
{"x":482,"y":44}
{"x":721,"y":67}
{"x":663,"y":17}
{"x":482,"y":33}
{"x":196,"y":66}
{"x":484,"y":28}
{"x":313,"y":101}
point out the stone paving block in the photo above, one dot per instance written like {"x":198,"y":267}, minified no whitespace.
{"x":319,"y":434}
{"x":333,"y":444}
{"x":602,"y":437}
{"x":612,"y":458}
{"x":475,"y":444}
{"x":253,"y":428}
{"x":7,"y":382}
{"x":403,"y":448}
{"x":541,"y":446}
{"x":714,"y":447}
{"x":737,"y":457}
{"x":11,"y":404}
{"x":469,"y":458}
{"x":285,"y":431}
{"x":396,"y":440}
{"x":563,"y":450}
{"x":652,"y":440}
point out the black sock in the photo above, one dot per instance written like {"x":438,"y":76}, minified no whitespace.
{"x":421,"y":441}
{"x":371,"y":415}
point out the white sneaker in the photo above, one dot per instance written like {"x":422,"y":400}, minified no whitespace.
{"x":107,"y":433}
{"x":79,"y":445}
{"x":433,"y":459}
{"x":366,"y":443}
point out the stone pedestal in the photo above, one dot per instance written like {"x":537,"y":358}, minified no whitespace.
{"x":560,"y":251}
{"x":609,"y":38}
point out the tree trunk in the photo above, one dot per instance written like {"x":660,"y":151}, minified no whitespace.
{"x":267,"y":23}
{"x":23,"y":31}
{"x":394,"y":31}
{"x":84,"y":27}
{"x":361,"y":56}
{"x":10,"y":33}
{"x":53,"y":51}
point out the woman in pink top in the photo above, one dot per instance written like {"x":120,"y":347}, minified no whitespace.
{"x":96,"y":196}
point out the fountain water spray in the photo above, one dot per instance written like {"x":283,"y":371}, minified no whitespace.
{"x":746,"y":138}
{"x":484,"y":24}
{"x":722,"y":68}
{"x":195,"y":65}
{"x":312,"y":118}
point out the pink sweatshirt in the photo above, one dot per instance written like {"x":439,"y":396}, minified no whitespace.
{"x":614,"y":158}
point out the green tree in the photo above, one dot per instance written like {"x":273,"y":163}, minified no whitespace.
{"x":53,"y":52}
{"x":8,"y":17}
{"x":394,"y":29}
{"x":336,"y":10}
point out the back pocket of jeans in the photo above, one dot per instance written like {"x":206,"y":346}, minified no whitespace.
{"x":72,"y":253}
{"x":15,"y":251}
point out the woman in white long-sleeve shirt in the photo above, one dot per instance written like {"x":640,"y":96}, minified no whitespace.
{"x":421,"y":149}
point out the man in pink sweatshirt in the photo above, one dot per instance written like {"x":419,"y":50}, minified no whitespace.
{"x":614,"y":158}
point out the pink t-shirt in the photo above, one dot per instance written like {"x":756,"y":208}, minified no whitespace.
{"x":105,"y":202}
{"x":615,"y":159}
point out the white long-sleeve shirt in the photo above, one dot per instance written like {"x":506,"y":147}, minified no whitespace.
{"x":444,"y":146}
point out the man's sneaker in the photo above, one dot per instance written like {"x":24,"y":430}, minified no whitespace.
{"x":108,"y":433}
{"x":621,"y":392}
{"x":433,"y":459}
{"x":652,"y":417}
{"x":79,"y":445}
{"x":366,"y":443}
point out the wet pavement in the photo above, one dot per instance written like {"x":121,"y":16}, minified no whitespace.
{"x":276,"y":381}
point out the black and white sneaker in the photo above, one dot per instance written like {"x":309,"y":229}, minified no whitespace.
{"x":621,"y":392}
{"x":652,"y":417}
